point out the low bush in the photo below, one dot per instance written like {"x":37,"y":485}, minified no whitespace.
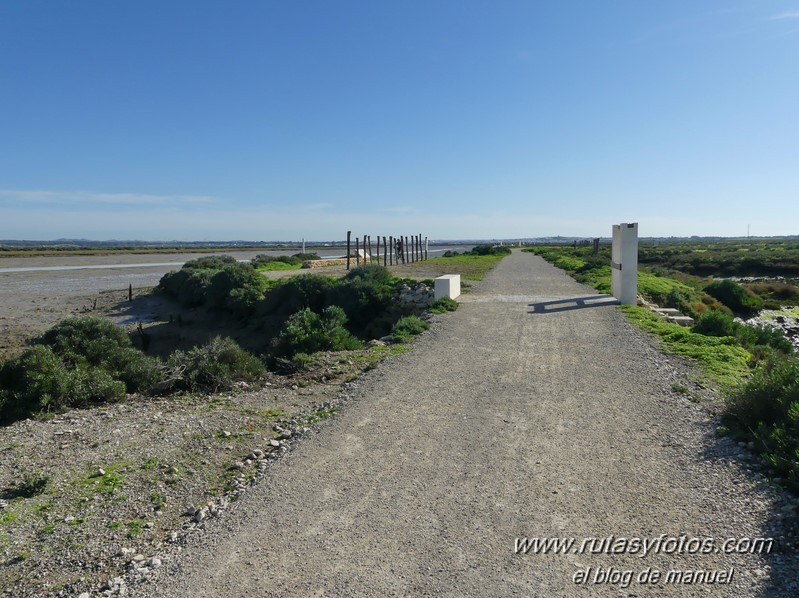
{"x":308,"y":332}
{"x":488,"y":250}
{"x":218,"y":282}
{"x":733,"y":295}
{"x":78,"y":362}
{"x":407,"y":327}
{"x":762,"y":335}
{"x":766,"y":409}
{"x":238,"y":277}
{"x":215,"y":366}
{"x":304,"y":257}
{"x":366,"y":295}
{"x":774,"y":293}
{"x":88,"y":342}
{"x":39,"y":380}
{"x":444,"y":305}
{"x":715,"y":323}
{"x":298,"y":292}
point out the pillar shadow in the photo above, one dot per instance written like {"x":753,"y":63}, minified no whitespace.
{"x":570,"y":303}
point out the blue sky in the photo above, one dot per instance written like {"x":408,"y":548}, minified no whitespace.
{"x":267,"y":120}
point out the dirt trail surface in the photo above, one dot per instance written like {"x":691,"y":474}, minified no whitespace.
{"x":504,"y":422}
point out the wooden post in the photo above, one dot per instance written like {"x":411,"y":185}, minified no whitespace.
{"x":407,"y":248}
{"x":385,"y":252}
{"x":357,"y":253}
{"x":391,"y":252}
{"x":349,"y":234}
{"x":371,"y":259}
{"x":364,"y":249}
{"x":377,"y":249}
{"x":425,"y":248}
{"x":420,"y":246}
{"x":130,"y":292}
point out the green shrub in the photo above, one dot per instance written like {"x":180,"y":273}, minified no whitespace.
{"x":775,"y":293}
{"x":304,"y":257}
{"x":299,"y":292}
{"x":766,"y":408}
{"x":366,"y":296}
{"x":39,"y":380}
{"x":215,"y":366}
{"x":211,"y":281}
{"x":234,"y":277}
{"x":188,"y":286}
{"x":88,"y":342}
{"x":210,"y":262}
{"x":715,"y":323}
{"x":489,"y":250}
{"x":444,"y":305}
{"x":308,"y":332}
{"x":407,"y":327}
{"x":763,"y":335}
{"x":93,"y":386}
{"x":734,"y":296}
{"x":87,"y":339}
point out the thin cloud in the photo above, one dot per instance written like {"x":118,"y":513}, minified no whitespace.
{"x":319,"y":206}
{"x":788,"y":14}
{"x":37,"y":196}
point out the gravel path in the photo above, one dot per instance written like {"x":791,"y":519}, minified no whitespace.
{"x":504,"y":422}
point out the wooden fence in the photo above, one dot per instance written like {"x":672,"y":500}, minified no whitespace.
{"x":389,"y":250}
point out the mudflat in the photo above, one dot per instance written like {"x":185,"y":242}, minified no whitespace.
{"x":33,"y":301}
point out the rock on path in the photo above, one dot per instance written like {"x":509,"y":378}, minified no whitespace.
{"x":504,"y":422}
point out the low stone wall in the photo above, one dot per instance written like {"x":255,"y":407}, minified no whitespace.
{"x":325,"y":263}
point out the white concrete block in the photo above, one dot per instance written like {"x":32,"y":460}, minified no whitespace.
{"x":448,"y":285}
{"x":624,"y":263}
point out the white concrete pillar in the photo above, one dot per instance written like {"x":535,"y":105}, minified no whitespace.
{"x":624,"y":263}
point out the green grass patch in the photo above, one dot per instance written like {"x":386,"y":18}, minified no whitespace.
{"x":135,"y":528}
{"x":8,"y":516}
{"x":721,"y":359}
{"x":407,"y":327}
{"x":277,"y":266}
{"x":470,"y":267}
{"x":443,"y":305}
